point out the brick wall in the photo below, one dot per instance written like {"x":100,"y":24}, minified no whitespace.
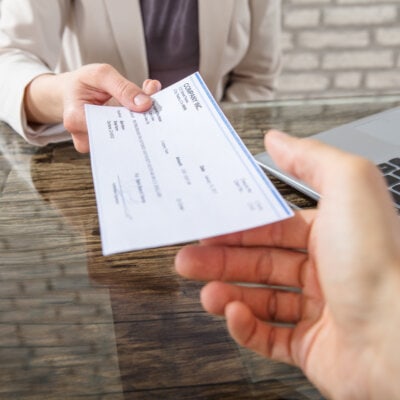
{"x":340,"y":47}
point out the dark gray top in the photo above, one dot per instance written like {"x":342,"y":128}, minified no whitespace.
{"x":171,"y":31}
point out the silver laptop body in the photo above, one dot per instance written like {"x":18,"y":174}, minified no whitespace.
{"x":376,"y":137}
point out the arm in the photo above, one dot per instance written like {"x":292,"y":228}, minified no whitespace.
{"x":345,"y":314}
{"x":40,"y":104}
{"x":24,"y":55}
{"x":255,"y":77}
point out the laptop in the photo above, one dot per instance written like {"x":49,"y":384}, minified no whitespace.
{"x":376,"y":137}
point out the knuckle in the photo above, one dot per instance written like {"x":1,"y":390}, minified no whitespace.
{"x":100,"y":69}
{"x":72,"y":121}
{"x":96,"y":74}
{"x":361,"y":167}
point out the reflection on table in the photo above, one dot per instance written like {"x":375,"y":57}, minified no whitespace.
{"x":75,"y":324}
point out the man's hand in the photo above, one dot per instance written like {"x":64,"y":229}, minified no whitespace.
{"x":343,"y":261}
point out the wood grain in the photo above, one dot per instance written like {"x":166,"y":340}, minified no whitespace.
{"x":75,"y":324}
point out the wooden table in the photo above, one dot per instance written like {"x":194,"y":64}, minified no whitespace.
{"x":77,"y":325}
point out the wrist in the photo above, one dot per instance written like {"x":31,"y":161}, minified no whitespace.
{"x":43,"y":101}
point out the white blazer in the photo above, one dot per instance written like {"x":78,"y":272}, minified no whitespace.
{"x":240,"y":55}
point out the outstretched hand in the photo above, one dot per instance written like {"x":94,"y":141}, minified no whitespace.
{"x":339,"y":322}
{"x":101,"y":84}
{"x":61,"y":98}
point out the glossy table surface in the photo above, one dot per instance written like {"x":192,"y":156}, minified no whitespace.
{"x":77,"y":325}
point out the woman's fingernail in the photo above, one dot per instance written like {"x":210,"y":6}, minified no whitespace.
{"x":141,"y":99}
{"x":157,"y":85}
{"x":146,"y":84}
{"x":151,"y":86}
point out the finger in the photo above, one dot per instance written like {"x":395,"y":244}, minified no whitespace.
{"x":75,"y":123}
{"x":290,"y":233}
{"x":271,"y":341}
{"x":266,"y":304}
{"x":151,"y":86}
{"x":352,"y":185}
{"x":81,"y":142}
{"x":106,"y":78}
{"x":269,"y":266}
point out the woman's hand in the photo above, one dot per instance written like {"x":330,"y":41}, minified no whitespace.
{"x":51,"y":99}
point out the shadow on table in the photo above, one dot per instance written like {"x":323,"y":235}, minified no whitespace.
{"x":167,"y":345}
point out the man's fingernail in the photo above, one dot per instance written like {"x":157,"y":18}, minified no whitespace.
{"x":141,"y":99}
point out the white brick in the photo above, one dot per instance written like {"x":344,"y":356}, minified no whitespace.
{"x":301,"y":18}
{"x":287,"y":41}
{"x":333,"y":39}
{"x":348,"y":80}
{"x":388,"y":36}
{"x":383,"y":80}
{"x":361,"y":15}
{"x":358,"y":59}
{"x":303,"y":82}
{"x":351,"y":39}
{"x":300,"y":61}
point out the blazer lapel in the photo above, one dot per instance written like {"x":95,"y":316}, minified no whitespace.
{"x":126,"y":23}
{"x":214,"y":22}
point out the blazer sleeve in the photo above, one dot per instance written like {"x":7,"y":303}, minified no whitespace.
{"x":30,"y":43}
{"x":255,"y":77}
